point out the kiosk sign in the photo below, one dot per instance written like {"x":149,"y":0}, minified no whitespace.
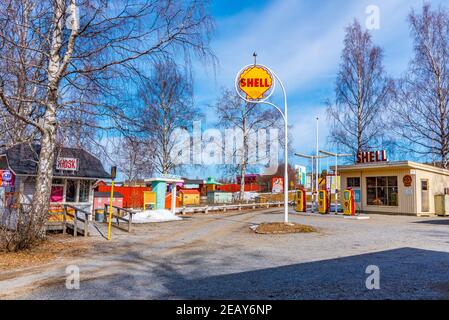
{"x":255,"y":82}
{"x":67,"y":164}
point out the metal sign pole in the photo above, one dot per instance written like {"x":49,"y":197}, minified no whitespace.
{"x":284,"y":116}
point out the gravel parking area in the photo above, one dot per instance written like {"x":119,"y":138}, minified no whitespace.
{"x":217,"y":256}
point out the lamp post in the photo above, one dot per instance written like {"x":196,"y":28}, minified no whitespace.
{"x":313,"y":158}
{"x":336,"y":155}
{"x":262,"y":99}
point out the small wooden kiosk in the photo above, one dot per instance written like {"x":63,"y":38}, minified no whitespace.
{"x":159,"y":186}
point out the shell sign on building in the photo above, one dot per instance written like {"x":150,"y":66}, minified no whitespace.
{"x":255,"y":81}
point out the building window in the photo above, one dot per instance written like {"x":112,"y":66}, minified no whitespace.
{"x":84,"y":191}
{"x":70,"y":191}
{"x":382,"y":191}
{"x":353,"y":182}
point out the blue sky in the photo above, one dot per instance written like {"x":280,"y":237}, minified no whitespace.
{"x":302,"y":42}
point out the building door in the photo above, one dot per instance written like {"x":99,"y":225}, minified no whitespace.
{"x":424,"y":195}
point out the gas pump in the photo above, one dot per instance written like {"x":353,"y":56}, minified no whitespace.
{"x":323,"y":201}
{"x":301,"y":204}
{"x":348,"y":202}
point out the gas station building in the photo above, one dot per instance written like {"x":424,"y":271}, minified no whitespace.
{"x":399,"y":187}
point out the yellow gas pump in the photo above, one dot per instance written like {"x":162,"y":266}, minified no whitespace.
{"x":301,"y":204}
{"x":348,"y":202}
{"x":323,"y":202}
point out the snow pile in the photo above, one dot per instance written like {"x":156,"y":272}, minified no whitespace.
{"x":159,"y":215}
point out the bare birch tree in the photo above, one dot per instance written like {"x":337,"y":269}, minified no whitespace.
{"x":247,"y":118}
{"x":421,"y":105}
{"x":362,"y":94}
{"x":71,"y":54}
{"x":165,"y":105}
{"x":134,"y":158}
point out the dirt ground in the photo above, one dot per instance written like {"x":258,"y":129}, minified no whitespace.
{"x":219,"y":256}
{"x":55,"y":247}
{"x":281,"y":227}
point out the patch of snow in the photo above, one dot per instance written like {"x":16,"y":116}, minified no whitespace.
{"x":159,"y":215}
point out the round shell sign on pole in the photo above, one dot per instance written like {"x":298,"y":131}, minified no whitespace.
{"x":255,"y":84}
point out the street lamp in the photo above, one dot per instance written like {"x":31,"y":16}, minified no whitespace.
{"x":312,"y":157}
{"x":336,"y":155}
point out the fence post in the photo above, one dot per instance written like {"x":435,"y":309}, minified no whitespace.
{"x":75,"y":227}
{"x":130,"y":221}
{"x":86,"y":224}
{"x":64,"y":220}
{"x":104,"y":213}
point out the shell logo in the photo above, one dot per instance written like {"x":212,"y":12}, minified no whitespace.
{"x":255,"y":81}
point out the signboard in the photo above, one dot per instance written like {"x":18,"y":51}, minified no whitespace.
{"x":300,"y":175}
{"x":332,"y":184}
{"x":407,"y":180}
{"x":67,"y":164}
{"x":255,"y":81}
{"x":113,"y":172}
{"x":6,"y":178}
{"x":372,"y":156}
{"x":357,"y":197}
{"x":277,"y":185}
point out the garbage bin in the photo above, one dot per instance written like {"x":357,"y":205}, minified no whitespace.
{"x":99,"y":215}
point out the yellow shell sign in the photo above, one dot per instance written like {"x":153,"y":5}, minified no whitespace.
{"x":255,"y":81}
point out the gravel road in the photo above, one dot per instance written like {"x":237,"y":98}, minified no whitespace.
{"x":217,"y":256}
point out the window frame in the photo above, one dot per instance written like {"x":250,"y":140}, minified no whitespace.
{"x":79,"y":191}
{"x":352,"y":179}
{"x":380,"y":189}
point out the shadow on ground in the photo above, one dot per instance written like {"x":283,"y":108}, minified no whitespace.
{"x":405,"y":273}
{"x":443,"y":222}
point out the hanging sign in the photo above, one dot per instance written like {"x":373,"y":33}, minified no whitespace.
{"x":255,"y":82}
{"x":372,"y":156}
{"x":67,"y":164}
{"x":6,"y":178}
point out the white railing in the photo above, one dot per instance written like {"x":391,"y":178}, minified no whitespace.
{"x":225,"y":207}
